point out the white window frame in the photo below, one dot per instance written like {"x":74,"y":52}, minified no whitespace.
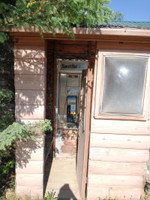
{"x":98,"y":88}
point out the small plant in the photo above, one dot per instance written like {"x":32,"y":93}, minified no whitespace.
{"x":50,"y":196}
{"x":10,"y":195}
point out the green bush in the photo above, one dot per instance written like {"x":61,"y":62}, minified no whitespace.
{"x":7,"y":158}
{"x":6,"y":115}
{"x":8,"y":138}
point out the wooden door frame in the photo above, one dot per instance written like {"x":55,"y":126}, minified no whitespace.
{"x":88,"y":111}
{"x":88,"y":123}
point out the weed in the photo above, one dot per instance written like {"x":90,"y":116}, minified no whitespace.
{"x":50,"y":196}
{"x":10,"y":195}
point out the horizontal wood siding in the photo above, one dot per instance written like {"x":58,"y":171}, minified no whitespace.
{"x":120,"y":127}
{"x":119,"y":155}
{"x":119,"y":193}
{"x":116,"y":168}
{"x":120,"y":141}
{"x":30,"y":88}
{"x":30,"y":71}
{"x":119,"y":149}
{"x":111,"y":180}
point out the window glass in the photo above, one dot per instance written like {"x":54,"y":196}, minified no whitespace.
{"x":123,"y":85}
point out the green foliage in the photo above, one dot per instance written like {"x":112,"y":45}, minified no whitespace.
{"x":3,"y":37}
{"x":50,"y":196}
{"x":6,"y":116}
{"x":7,"y":64}
{"x":47,"y":15}
{"x":18,"y":131}
{"x":7,"y":89}
{"x":7,"y":157}
{"x":10,"y":195}
{"x":118,"y":16}
{"x":8,"y":138}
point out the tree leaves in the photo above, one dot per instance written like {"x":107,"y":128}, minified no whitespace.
{"x":17,"y":131}
{"x":3,"y":37}
{"x":47,"y":15}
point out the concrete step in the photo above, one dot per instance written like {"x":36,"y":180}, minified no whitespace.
{"x":63,"y":180}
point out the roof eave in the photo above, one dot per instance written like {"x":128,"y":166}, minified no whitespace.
{"x":126,"y":31}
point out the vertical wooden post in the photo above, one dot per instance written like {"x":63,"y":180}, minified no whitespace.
{"x":88,"y":122}
{"x":54,"y":98}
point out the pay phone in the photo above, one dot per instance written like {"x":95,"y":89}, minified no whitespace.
{"x":71,"y":108}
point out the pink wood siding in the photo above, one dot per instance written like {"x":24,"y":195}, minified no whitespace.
{"x":119,"y":149}
{"x":30,"y":87}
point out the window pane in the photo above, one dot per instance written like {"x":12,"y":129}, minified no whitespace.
{"x":123,"y":85}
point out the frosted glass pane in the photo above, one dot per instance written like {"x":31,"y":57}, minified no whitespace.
{"x":123,"y":85}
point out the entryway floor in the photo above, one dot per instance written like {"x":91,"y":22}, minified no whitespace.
{"x":62,"y":179}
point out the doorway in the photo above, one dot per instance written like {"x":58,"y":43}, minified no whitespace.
{"x":69,"y":75}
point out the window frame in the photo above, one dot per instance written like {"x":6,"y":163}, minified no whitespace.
{"x":99,"y":77}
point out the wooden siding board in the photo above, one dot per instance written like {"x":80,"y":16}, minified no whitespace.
{"x":121,"y":45}
{"x":120,"y":187}
{"x":32,"y":167}
{"x":116,"y":180}
{"x":29,"y":191}
{"x":124,"y":127}
{"x":120,"y":141}
{"x":29,"y":151}
{"x":71,"y":50}
{"x":120,"y":193}
{"x":29,"y":97}
{"x":29,"y":180}
{"x":30,"y":112}
{"x":116,"y":168}
{"x":28,"y":53}
{"x":71,"y":42}
{"x":31,"y":42}
{"x":28,"y":82}
{"x":119,"y":155}
{"x":29,"y":66}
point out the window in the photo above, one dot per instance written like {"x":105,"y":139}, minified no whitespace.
{"x":121,"y":85}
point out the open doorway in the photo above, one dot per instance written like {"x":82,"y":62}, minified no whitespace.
{"x":69,"y":75}
{"x":67,"y":62}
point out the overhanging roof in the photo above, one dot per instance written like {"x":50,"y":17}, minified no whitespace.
{"x":131,"y":24}
{"x":123,"y":28}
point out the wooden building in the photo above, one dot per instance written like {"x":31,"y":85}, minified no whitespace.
{"x":95,"y":90}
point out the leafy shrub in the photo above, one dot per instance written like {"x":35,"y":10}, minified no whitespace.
{"x":7,"y":158}
{"x":8,"y":138}
{"x":6,"y":115}
{"x":18,"y":131}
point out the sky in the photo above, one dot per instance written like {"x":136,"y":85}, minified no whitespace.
{"x":133,"y":10}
